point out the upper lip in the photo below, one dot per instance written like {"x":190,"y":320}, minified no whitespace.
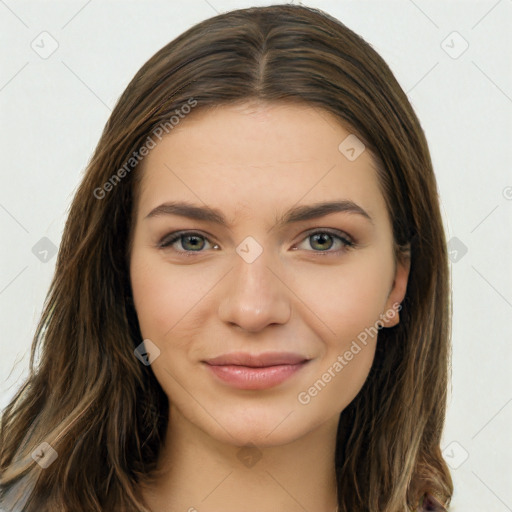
{"x":257,"y":360}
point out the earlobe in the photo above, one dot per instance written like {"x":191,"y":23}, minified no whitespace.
{"x":391,"y":316}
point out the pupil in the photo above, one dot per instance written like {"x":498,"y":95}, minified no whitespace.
{"x":193,"y":240}
{"x":322,"y":237}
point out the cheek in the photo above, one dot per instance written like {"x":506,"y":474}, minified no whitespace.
{"x":349,"y":300}
{"x":349,"y":297}
{"x":158,"y":296}
{"x":337,"y":383}
{"x":350,"y":305}
{"x":169,"y":302}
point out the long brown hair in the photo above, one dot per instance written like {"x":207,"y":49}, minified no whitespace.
{"x":90,"y":398}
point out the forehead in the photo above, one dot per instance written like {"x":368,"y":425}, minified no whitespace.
{"x":258,"y":155}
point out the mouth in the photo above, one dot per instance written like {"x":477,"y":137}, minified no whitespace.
{"x":256,"y":371}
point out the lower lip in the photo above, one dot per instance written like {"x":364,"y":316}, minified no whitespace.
{"x":245,"y":377}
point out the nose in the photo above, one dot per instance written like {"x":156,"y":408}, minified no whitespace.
{"x":254,"y":296}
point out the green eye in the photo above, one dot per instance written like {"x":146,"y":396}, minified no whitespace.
{"x":190,"y":241}
{"x":324,"y":239}
{"x":321,"y":241}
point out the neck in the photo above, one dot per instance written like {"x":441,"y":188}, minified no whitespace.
{"x":198,"y":473}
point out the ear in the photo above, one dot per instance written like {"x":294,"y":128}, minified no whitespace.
{"x":390,"y":316}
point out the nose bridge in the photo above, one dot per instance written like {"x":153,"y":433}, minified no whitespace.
{"x":254,"y":297}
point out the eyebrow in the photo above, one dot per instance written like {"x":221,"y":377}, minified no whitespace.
{"x":294,"y":215}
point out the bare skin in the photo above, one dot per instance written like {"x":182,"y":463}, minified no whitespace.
{"x":306,"y":293}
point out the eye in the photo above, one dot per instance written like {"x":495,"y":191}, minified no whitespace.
{"x":190,"y":241}
{"x":323,"y":240}
{"x":193,"y":242}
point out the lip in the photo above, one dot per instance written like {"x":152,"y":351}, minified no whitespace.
{"x":256,"y":371}
{"x":257,"y":360}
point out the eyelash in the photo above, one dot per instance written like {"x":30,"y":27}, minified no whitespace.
{"x":166,"y":243}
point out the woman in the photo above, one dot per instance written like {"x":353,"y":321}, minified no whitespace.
{"x":260,"y":210}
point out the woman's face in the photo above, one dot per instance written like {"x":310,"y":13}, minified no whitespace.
{"x":265,"y":316}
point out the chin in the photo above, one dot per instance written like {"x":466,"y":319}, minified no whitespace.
{"x":264,"y":426}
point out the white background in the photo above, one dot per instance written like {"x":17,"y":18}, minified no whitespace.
{"x":53,"y":110}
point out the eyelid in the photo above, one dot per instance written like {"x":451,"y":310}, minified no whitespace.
{"x":173,"y":237}
{"x":331,"y":231}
